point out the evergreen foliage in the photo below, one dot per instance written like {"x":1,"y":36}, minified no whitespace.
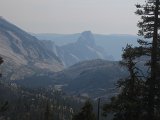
{"x":149,"y":28}
{"x":128,"y":104}
{"x":47,"y":112}
{"x":37,"y":104}
{"x":139,"y":98}
{"x":1,"y":61}
{"x":86,"y":112}
{"x":3,"y":106}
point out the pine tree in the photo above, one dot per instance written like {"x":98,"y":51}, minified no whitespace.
{"x":149,"y":27}
{"x":86,"y":112}
{"x":127,"y":104}
{"x":3,"y":106}
{"x":47,"y":112}
{"x":149,"y":95}
{"x":1,"y":61}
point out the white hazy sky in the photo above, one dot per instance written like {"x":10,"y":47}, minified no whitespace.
{"x":72,"y":16}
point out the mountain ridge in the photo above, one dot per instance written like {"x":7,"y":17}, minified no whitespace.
{"x":83,"y":49}
{"x":111,"y":43}
{"x":93,"y":78}
{"x":21,"y":50}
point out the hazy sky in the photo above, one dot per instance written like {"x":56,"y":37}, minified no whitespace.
{"x":72,"y":16}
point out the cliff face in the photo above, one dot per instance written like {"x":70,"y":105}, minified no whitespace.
{"x":23,"y":54}
{"x":83,"y":49}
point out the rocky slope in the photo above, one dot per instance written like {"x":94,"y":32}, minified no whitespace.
{"x":112,"y":43}
{"x":23,"y":54}
{"x":83,"y":49}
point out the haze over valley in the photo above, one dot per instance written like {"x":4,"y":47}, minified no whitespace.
{"x":75,"y":64}
{"x":79,"y":60}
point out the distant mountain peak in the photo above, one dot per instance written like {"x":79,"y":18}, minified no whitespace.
{"x":86,"y":32}
{"x":86,"y":37}
{"x":83,"y":49}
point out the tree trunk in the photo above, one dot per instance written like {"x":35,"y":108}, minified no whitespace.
{"x":152,"y":80}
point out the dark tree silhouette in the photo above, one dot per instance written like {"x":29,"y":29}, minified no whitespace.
{"x":47,"y":112}
{"x":143,"y":97}
{"x":1,"y":61}
{"x":127,"y":104}
{"x":149,"y":27}
{"x":3,"y":106}
{"x":86,"y":112}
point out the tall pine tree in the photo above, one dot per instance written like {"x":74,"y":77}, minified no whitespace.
{"x":148,"y":94}
{"x":127,"y":105}
{"x":1,"y":61}
{"x":86,"y":112}
{"x":149,"y":28}
{"x":4,"y":106}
